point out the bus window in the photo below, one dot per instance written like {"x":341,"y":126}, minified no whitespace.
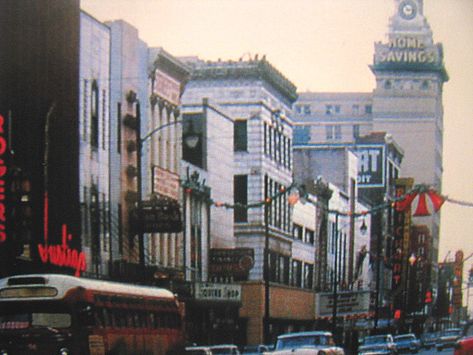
{"x":52,"y":320}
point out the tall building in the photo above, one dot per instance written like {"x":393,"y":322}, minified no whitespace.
{"x":406,"y":104}
{"x":39,"y":90}
{"x":407,"y":100}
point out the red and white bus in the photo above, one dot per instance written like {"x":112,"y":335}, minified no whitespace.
{"x":60,"y":314}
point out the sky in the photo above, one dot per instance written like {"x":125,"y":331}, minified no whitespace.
{"x":325,"y":45}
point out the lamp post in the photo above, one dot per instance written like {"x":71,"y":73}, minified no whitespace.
{"x":191,"y":141}
{"x":335,"y":277}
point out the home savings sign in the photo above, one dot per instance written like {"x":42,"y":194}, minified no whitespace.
{"x":3,"y":175}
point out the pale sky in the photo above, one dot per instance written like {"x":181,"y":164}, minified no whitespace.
{"x":325,"y":45}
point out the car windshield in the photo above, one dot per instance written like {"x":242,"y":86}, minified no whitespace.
{"x":223,"y":350}
{"x":428,"y":335}
{"x":450,"y":332}
{"x":403,"y":337}
{"x":375,"y":339}
{"x":307,"y":340}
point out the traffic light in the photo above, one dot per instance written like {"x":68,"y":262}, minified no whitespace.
{"x":397,"y":314}
{"x":428,"y":296}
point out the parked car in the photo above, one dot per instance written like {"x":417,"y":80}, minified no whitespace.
{"x":310,"y":343}
{"x":255,"y":349}
{"x":407,"y":343}
{"x":428,"y":340}
{"x":448,"y":338}
{"x":464,"y":345}
{"x":198,"y":350}
{"x":225,"y":349}
{"x":378,"y":344}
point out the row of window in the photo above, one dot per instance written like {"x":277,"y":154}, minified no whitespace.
{"x":334,"y":109}
{"x":305,"y":235}
{"x":276,"y":145}
{"x":293,"y":272}
{"x":334,"y":132}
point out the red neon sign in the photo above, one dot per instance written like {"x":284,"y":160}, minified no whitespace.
{"x":62,"y":255}
{"x":3,"y":173}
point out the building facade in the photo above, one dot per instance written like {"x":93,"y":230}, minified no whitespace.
{"x":405,"y":104}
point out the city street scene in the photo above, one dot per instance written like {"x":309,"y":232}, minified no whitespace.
{"x":236,"y":177}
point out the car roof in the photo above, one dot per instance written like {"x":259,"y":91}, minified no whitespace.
{"x":303,"y":334}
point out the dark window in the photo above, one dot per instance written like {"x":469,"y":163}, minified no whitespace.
{"x":240,"y":136}
{"x":368,"y":109}
{"x":308,"y":275}
{"x":297,"y":231}
{"x":240,"y":189}
{"x":119,"y":127}
{"x":309,"y":236}
{"x":193,"y":125}
{"x":94,"y":115}
{"x":296,"y":273}
{"x":356,"y":131}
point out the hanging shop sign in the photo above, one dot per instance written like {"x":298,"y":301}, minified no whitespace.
{"x":159,"y":215}
{"x":370,"y":165}
{"x":165,"y":183}
{"x":62,"y":255}
{"x":349,"y":303}
{"x":206,"y":291}
{"x":3,"y":174}
{"x":234,"y":263}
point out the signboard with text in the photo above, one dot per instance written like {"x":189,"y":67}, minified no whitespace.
{"x":167,"y":87}
{"x":348,"y":303}
{"x":165,"y":183}
{"x":207,"y":291}
{"x":370,"y":165}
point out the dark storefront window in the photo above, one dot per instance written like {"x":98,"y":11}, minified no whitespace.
{"x":240,"y":189}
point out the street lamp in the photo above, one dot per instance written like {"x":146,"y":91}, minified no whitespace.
{"x":191,"y":140}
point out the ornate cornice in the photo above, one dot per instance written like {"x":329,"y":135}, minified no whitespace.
{"x":256,"y":69}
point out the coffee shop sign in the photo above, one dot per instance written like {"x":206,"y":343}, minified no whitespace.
{"x":217,"y":292}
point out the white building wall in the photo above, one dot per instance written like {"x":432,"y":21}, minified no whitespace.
{"x":94,"y":161}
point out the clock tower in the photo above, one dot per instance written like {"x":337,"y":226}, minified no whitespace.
{"x":407,"y":100}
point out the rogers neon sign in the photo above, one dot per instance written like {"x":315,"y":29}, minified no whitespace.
{"x":62,"y":254}
{"x":3,"y":173}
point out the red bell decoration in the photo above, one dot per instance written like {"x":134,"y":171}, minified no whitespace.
{"x":422,"y":203}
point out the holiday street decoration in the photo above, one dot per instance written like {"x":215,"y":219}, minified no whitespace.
{"x":423,"y":201}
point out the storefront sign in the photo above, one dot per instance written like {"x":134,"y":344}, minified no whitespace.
{"x":62,"y":255}
{"x":3,"y":174}
{"x":370,"y":165}
{"x":217,"y":292}
{"x":160,"y":215}
{"x":348,"y":303}
{"x":230,"y":262}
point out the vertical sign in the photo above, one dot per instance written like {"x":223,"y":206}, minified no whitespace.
{"x":401,"y":234}
{"x":3,"y":175}
{"x":458,"y":279}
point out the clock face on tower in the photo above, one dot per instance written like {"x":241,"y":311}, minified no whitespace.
{"x":408,"y":9}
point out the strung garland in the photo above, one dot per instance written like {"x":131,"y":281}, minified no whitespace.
{"x":401,"y":203}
